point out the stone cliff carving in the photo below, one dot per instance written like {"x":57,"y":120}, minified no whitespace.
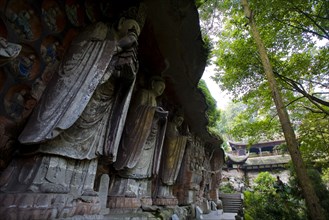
{"x":140,"y":147}
{"x":8,"y":51}
{"x":172,"y":156}
{"x":190,"y":175}
{"x":7,"y":140}
{"x":24,"y":20}
{"x":19,"y":103}
{"x":27,"y":64}
{"x":83,"y":78}
{"x":53,"y":15}
{"x":81,"y":115}
{"x":216,"y":162}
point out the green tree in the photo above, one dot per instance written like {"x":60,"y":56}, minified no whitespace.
{"x":314,"y":140}
{"x":226,"y":123}
{"x":288,"y":31}
{"x":265,"y":202}
{"x":319,"y":186}
{"x":264,"y":182}
{"x":312,"y":201}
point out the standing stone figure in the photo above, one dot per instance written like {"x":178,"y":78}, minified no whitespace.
{"x":82,"y":113}
{"x":141,"y":145}
{"x":190,"y":175}
{"x":172,"y":156}
{"x":216,"y":163}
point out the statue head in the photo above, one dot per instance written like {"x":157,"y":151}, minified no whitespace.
{"x":178,"y":120}
{"x":158,"y":85}
{"x":126,"y":25}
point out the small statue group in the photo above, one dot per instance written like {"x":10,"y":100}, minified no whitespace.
{"x":21,"y":22}
{"x":50,"y":17}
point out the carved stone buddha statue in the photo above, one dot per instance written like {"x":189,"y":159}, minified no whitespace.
{"x":141,"y":145}
{"x":82,"y":112}
{"x":172,"y":156}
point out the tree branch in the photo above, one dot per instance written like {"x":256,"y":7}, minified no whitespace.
{"x":299,"y":88}
{"x":300,"y":28}
{"x":320,"y":93}
{"x":295,"y":100}
{"x":313,"y":110}
{"x":312,"y":20}
{"x":315,"y":82}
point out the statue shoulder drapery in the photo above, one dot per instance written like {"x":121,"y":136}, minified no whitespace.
{"x":71,"y":89}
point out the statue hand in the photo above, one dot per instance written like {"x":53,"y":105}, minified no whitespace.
{"x":125,"y":72}
{"x":128,"y":41}
{"x":160,"y":112}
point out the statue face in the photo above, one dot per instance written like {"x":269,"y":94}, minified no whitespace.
{"x":158,"y":87}
{"x":128,"y":25}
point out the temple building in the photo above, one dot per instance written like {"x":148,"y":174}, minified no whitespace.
{"x":257,"y":157}
{"x":100,"y":112}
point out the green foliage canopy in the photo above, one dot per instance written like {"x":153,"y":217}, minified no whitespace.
{"x":291,"y":31}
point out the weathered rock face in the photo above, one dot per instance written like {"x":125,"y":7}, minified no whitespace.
{"x":190,"y":178}
{"x":216,"y":164}
{"x":99,"y":104}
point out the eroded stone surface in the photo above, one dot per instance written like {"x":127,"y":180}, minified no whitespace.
{"x":46,"y":206}
{"x":62,"y":178}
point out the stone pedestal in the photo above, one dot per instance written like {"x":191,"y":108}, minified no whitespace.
{"x":120,"y":204}
{"x":46,"y":205}
{"x":165,"y":201}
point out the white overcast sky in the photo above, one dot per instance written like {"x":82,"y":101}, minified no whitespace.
{"x":221,"y":98}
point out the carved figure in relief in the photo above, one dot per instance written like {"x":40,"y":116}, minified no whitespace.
{"x":216,"y":162}
{"x":53,"y":15}
{"x":75,"y":12}
{"x":25,"y":65}
{"x":49,"y":52}
{"x":141,"y":145}
{"x":190,"y":175}
{"x":82,"y":112}
{"x":8,"y":51}
{"x":172,"y":156}
{"x":50,"y":16}
{"x":19,"y":103}
{"x":41,"y":83}
{"x":22,"y":22}
{"x":7,"y":140}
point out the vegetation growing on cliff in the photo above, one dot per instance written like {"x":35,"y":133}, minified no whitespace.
{"x":212,"y":112}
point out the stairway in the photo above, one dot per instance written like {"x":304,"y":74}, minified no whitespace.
{"x":231,"y":202}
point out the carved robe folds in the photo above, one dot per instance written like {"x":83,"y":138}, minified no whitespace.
{"x":173,"y":152}
{"x":82,"y":113}
{"x":140,"y":150}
